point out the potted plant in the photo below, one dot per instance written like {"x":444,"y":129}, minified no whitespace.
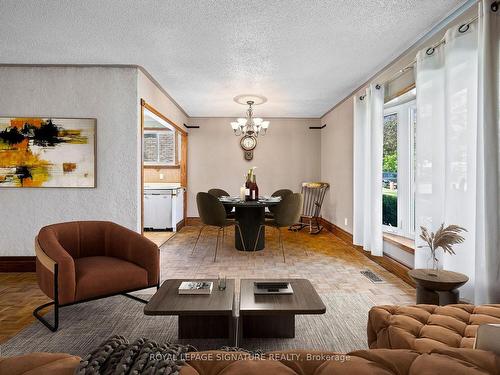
{"x":445,"y":238}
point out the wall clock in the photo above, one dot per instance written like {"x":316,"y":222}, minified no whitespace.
{"x":248,"y":143}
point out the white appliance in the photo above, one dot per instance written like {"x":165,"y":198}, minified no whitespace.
{"x":163,"y":206}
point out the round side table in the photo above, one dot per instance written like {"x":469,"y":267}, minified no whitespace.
{"x":440,"y":288}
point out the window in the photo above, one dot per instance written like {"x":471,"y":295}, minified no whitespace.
{"x":159,"y":147}
{"x":161,"y":142}
{"x":398,"y":213}
{"x":390,"y":171}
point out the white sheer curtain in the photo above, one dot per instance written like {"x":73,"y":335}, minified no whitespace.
{"x":453,"y":160}
{"x":487,"y":266}
{"x":367,"y":180}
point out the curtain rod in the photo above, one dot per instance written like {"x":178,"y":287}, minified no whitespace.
{"x":462,"y":29}
{"x":432,"y":32}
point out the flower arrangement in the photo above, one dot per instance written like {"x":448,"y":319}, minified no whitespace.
{"x":251,"y":172}
{"x":445,"y":238}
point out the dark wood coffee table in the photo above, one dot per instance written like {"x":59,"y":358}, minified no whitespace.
{"x":200,"y":316}
{"x":273,"y":315}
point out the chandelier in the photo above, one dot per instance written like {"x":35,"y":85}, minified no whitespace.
{"x":249,"y":125}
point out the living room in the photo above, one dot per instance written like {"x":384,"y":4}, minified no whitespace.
{"x":298,"y":187}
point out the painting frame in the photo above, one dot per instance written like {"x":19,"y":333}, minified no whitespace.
{"x":92,"y":137}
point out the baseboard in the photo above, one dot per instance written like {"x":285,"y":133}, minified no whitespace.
{"x":193,"y":221}
{"x":390,"y":264}
{"x":181,"y":224}
{"x":18,"y":264}
{"x":339,"y":232}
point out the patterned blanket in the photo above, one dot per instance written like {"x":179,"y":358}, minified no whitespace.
{"x":116,"y":356}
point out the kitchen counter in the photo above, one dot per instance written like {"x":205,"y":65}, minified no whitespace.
{"x":161,"y":185}
{"x":163,"y":205}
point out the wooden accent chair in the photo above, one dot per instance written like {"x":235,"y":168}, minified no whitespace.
{"x":86,"y":260}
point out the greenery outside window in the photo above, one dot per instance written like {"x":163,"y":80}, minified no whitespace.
{"x":398,"y":165}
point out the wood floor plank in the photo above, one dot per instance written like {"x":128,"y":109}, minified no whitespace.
{"x":332,"y":266}
{"x":19,"y":296}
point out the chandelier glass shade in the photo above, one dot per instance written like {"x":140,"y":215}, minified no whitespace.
{"x":249,"y":125}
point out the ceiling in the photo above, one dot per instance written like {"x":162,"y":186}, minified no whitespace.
{"x":303,"y":55}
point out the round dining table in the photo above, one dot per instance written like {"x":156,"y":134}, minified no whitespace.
{"x":250,"y":215}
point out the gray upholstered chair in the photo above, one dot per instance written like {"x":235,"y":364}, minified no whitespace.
{"x":222,"y":193}
{"x":278,"y":193}
{"x":213,"y":213}
{"x":286,"y":214}
{"x":488,"y":338}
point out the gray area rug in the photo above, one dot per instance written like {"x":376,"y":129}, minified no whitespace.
{"x":83,"y":327}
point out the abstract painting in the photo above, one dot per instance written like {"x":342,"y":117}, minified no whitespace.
{"x":47,"y":152}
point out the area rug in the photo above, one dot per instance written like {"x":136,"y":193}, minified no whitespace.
{"x":82,"y":327}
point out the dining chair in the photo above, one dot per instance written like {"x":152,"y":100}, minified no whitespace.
{"x":278,"y":193}
{"x":213,"y":213}
{"x":286,"y":214}
{"x":222,"y":193}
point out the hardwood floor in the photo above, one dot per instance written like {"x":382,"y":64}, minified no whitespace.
{"x":159,"y":238}
{"x":331,"y":265}
{"x":19,"y":295}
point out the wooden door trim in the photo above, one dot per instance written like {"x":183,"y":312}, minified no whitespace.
{"x":160,"y":115}
{"x":183,"y":163}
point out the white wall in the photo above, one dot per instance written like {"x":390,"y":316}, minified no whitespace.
{"x":337,"y":164}
{"x":287,"y":156}
{"x":398,"y":254}
{"x":108,"y":94}
{"x":147,"y":90}
{"x":151,"y":93}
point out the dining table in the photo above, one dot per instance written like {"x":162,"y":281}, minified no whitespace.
{"x":250,"y":215}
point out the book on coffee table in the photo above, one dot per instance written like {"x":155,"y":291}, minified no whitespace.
{"x":272,"y":287}
{"x":196,"y":287}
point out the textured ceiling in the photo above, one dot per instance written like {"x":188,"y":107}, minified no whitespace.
{"x":303,"y":55}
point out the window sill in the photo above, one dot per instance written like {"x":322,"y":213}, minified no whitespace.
{"x":403,"y":243}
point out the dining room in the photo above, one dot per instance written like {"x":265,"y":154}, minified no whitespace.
{"x":281,"y":156}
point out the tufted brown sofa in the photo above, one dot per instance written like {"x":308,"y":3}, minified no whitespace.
{"x":376,"y":362}
{"x":426,"y":327}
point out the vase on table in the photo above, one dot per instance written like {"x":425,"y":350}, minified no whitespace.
{"x":433,"y":264}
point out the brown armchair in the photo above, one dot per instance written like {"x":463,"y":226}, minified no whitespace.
{"x":85,"y":260}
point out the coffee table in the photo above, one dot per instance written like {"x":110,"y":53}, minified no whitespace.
{"x":200,"y":316}
{"x":273,"y":315}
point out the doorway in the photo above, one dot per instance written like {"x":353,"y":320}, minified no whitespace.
{"x":164,"y":175}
